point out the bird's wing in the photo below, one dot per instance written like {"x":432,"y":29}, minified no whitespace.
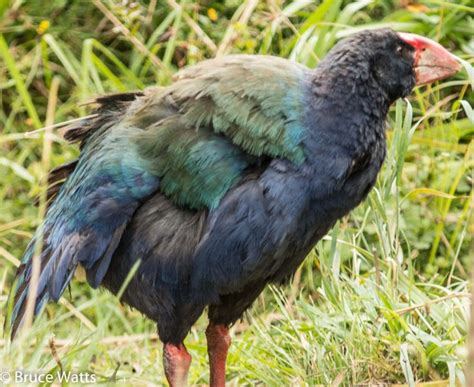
{"x":227,"y":113}
{"x":254,"y":100}
{"x":193,"y":141}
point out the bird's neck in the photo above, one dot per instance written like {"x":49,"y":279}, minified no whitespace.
{"x":347,"y":98}
{"x":350,"y":84}
{"x":346,"y":110}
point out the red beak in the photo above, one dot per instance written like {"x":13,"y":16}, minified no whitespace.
{"x":432,"y":61}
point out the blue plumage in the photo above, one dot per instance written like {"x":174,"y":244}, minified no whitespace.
{"x":219,"y":183}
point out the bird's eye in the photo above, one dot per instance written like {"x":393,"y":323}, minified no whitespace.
{"x":399,"y":49}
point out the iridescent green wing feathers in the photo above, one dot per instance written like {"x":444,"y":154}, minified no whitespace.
{"x":254,"y":100}
{"x":216,"y":120}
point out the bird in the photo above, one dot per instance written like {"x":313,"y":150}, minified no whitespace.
{"x":220,"y":183}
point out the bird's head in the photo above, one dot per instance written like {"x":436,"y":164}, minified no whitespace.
{"x":397,"y":61}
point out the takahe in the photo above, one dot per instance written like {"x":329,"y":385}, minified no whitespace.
{"x":221,"y":182}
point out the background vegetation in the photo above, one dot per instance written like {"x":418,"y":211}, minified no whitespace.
{"x":382,"y":299}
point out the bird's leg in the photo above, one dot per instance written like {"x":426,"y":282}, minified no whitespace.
{"x":176,"y":361}
{"x":218,"y":343}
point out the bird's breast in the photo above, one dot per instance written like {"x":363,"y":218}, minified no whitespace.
{"x":318,"y":194}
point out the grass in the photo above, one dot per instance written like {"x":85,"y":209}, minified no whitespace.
{"x":382,"y":299}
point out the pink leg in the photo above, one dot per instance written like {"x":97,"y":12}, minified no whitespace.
{"x":218,"y":343}
{"x":176,"y":361}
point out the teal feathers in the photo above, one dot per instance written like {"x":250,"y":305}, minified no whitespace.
{"x":200,"y":133}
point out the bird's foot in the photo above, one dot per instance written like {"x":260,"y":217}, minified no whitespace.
{"x":176,"y":361}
